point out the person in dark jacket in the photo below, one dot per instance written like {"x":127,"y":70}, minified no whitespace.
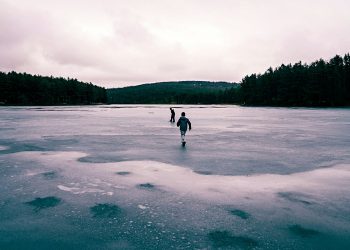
{"x":172,"y":118}
{"x":183,"y":122}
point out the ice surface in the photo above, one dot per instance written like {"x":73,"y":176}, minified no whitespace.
{"x":116,"y":177}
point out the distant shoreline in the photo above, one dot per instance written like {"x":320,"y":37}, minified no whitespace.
{"x":178,"y":105}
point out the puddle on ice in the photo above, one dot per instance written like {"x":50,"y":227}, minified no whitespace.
{"x":43,"y":203}
{"x":105,"y":211}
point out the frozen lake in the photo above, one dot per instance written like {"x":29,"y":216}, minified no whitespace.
{"x":116,"y":177}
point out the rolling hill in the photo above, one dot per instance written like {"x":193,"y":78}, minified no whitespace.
{"x":185,"y":92}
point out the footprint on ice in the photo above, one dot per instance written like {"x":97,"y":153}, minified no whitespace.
{"x":123,"y":173}
{"x":203,"y":172}
{"x":146,"y":186}
{"x":42,"y":203}
{"x":303,"y":232}
{"x":105,"y":210}
{"x":296,"y":197}
{"x":49,"y":175}
{"x":221,"y":239}
{"x":91,"y":159}
{"x":240,"y":213}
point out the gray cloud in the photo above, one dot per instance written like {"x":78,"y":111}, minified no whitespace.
{"x":118,"y":43}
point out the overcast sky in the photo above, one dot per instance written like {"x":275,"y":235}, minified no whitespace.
{"x":116,"y":43}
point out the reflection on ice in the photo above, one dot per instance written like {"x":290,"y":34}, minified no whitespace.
{"x":266,"y":192}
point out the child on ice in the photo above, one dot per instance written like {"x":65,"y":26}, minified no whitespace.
{"x":182,"y":123}
{"x":172,"y":118}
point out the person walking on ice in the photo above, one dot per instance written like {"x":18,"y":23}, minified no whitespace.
{"x":182,"y":123}
{"x":172,"y":118}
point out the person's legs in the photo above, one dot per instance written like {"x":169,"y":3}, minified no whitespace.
{"x":183,"y":133}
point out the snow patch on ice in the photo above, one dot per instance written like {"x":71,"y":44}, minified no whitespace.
{"x":101,"y":178}
{"x":83,"y":190}
{"x":2,"y":148}
{"x":69,"y":189}
{"x":142,"y":207}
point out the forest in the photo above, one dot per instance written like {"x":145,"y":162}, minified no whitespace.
{"x":182,"y":92}
{"x":26,"y":89}
{"x":319,"y":84}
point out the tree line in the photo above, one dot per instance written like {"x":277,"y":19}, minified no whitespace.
{"x":319,"y":84}
{"x":26,"y":89}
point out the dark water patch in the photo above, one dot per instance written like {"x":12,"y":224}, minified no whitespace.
{"x":99,"y":159}
{"x":123,"y":173}
{"x":6,"y":129}
{"x":6,"y":151}
{"x":105,"y":210}
{"x":146,"y":186}
{"x":60,"y":141}
{"x":203,"y":172}
{"x":29,"y":147}
{"x":49,"y":175}
{"x":43,"y":203}
{"x":303,"y":232}
{"x":296,"y":197}
{"x":24,"y":242}
{"x":225,"y":239}
{"x":15,"y":147}
{"x":240,"y":213}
